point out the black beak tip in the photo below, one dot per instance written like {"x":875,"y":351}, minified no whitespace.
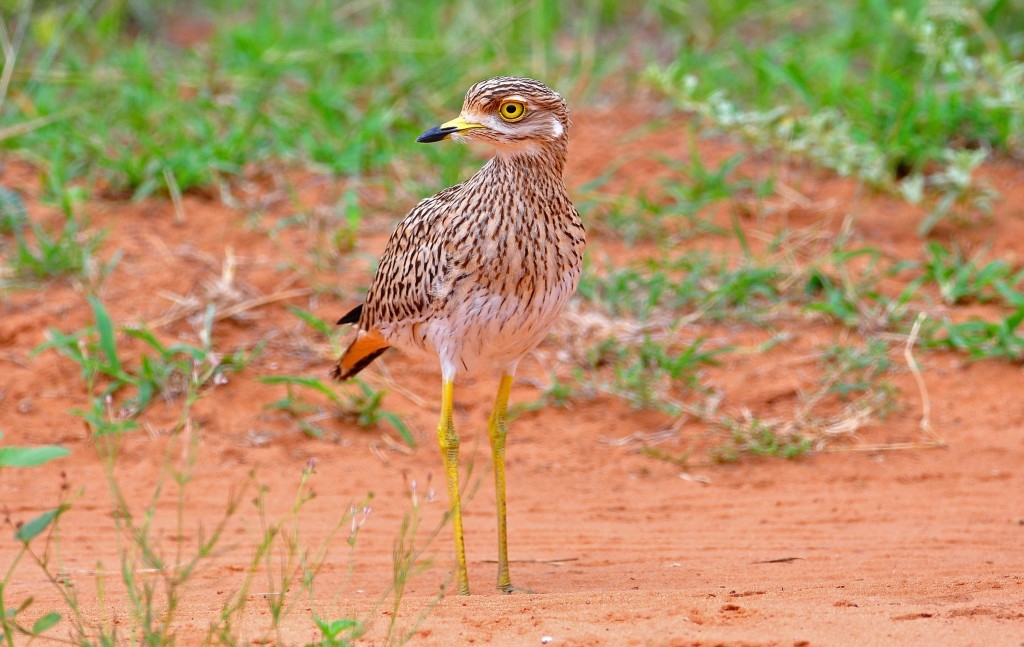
{"x":435,"y":134}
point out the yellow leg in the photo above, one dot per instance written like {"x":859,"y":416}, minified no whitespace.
{"x":449,"y":441}
{"x":498,"y":428}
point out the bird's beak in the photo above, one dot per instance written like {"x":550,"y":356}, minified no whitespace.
{"x":437,"y":133}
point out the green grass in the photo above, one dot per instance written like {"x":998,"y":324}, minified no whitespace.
{"x":962,"y":280}
{"x":162,"y":370}
{"x":844,"y":285}
{"x":646,"y":372}
{"x":33,"y":252}
{"x":343,"y":88}
{"x":850,"y":370}
{"x":361,"y":405}
{"x":871,"y":295}
{"x":678,"y":209}
{"x":907,"y":96}
{"x":682,"y":283}
{"x":1002,"y":338}
{"x":756,"y":437}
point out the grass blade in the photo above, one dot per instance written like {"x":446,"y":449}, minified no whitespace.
{"x":30,"y":456}
{"x":105,"y":329}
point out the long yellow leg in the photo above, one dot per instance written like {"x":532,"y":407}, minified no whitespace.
{"x":498,"y":428}
{"x":449,"y":441}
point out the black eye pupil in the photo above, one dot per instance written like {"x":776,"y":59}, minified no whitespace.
{"x":510,"y":109}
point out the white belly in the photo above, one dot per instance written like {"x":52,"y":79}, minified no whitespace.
{"x":486,"y":331}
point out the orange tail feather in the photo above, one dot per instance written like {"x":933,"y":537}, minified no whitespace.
{"x":368,"y":345}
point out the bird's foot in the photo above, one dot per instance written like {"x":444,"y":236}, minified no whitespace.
{"x":508,"y":589}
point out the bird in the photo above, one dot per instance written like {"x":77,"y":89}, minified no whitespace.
{"x":478,"y":273}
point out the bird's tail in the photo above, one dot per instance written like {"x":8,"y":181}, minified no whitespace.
{"x":367,"y":346}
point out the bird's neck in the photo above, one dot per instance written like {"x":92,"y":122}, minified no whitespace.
{"x":531,"y":161}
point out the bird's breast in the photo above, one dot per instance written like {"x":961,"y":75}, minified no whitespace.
{"x":482,"y":328}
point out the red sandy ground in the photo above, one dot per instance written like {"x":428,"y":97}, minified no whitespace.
{"x":913,"y":547}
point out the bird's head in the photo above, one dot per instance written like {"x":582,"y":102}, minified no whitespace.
{"x":516,"y":115}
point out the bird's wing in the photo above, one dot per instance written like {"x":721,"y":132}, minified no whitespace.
{"x":414,"y":264}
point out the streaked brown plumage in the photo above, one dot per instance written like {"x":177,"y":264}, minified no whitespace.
{"x":477,"y":273}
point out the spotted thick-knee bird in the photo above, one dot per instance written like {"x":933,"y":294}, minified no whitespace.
{"x":478,"y":273}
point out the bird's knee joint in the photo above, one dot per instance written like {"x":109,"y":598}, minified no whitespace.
{"x":448,"y":439}
{"x":498,"y":424}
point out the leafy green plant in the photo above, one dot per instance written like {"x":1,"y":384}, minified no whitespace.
{"x":846,"y":286}
{"x":95,"y":350}
{"x":757,"y":437}
{"x":961,"y":280}
{"x":644,"y":373}
{"x":362,"y":406}
{"x":851,"y":370}
{"x":25,"y":533}
{"x":316,"y":323}
{"x":10,"y":626}
{"x":336,"y":633}
{"x":155,"y":575}
{"x":36,"y":252}
{"x":1003,"y":339}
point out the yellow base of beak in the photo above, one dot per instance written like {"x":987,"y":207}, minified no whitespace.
{"x":437,"y":133}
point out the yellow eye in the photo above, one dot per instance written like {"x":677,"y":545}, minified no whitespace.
{"x":512,"y":110}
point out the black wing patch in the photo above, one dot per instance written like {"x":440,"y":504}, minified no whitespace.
{"x":353,"y":315}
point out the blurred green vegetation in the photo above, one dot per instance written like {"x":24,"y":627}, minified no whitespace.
{"x":909,"y":97}
{"x":140,"y":95}
{"x":912,"y":76}
{"x":137,"y":95}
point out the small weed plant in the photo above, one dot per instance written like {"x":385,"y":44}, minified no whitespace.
{"x":166,"y":370}
{"x":11,"y":624}
{"x":751,"y":435}
{"x":361,"y":405}
{"x":156,"y":569}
